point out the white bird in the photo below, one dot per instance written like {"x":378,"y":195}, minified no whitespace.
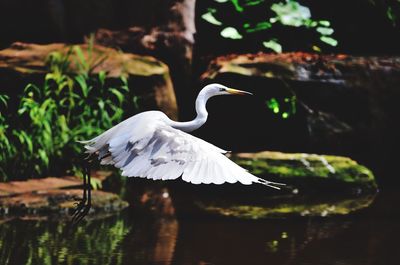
{"x":150,"y":145}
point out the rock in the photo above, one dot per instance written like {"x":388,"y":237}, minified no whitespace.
{"x":23,"y":62}
{"x":55,"y":20}
{"x":306,"y":67}
{"x":316,"y":185}
{"x":303,"y":167}
{"x":343,"y":104}
{"x":18,"y":187}
{"x":167,"y":35}
{"x":163,"y":29}
{"x":52,"y":198}
{"x":59,"y":203}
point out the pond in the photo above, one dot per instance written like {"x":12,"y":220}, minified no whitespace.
{"x":369,"y":236}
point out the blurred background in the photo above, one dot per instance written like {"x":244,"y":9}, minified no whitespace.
{"x":323,"y":119}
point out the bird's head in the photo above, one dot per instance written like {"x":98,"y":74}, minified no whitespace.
{"x":218,"y":89}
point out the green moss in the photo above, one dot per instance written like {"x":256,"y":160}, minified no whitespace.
{"x":340,"y":207}
{"x":318,"y":185}
{"x":305,"y":166}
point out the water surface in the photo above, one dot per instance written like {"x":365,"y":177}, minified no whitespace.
{"x":370,"y":236}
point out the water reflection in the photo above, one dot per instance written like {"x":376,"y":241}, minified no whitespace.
{"x":115,"y":240}
{"x":370,"y":237}
{"x":32,"y":242}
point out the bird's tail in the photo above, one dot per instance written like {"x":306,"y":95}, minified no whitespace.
{"x":270,"y":184}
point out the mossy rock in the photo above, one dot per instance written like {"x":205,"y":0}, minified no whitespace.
{"x":303,"y":166}
{"x":316,"y":185}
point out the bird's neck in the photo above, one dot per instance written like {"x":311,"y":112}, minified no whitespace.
{"x":200,"y":119}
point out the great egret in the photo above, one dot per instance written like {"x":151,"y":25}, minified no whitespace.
{"x":150,"y":145}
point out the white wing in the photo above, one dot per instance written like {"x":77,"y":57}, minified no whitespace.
{"x":146,"y":146}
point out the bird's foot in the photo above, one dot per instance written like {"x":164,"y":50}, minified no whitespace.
{"x":82,"y":208}
{"x":78,"y":205}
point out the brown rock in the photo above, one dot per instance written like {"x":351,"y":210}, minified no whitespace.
{"x":306,"y":67}
{"x":33,"y":185}
{"x":52,"y":197}
{"x":166,"y":35}
{"x":344,"y":104}
{"x":25,"y":62}
{"x":58,"y":202}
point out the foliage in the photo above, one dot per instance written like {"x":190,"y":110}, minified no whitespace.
{"x":41,"y":137}
{"x":391,"y":8}
{"x":278,"y":15}
{"x":285,"y":107}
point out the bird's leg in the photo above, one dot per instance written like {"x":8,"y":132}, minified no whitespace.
{"x":83,"y":207}
{"x":81,"y":202}
{"x":89,"y":190}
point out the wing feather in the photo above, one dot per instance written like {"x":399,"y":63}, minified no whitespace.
{"x":192,"y":170}
{"x":146,"y":146}
{"x":207,"y":177}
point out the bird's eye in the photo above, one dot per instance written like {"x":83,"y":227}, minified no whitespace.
{"x":222,"y":89}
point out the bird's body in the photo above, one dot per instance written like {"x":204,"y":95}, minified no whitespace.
{"x":150,"y":145}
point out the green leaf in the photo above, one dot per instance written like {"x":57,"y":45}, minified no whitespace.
{"x":291,"y":13}
{"x":209,"y":17}
{"x":102,"y":77}
{"x":96,"y":183}
{"x":101,"y":104}
{"x":273,"y":45}
{"x":254,"y":2}
{"x":82,"y":64}
{"x":124,"y":81}
{"x":391,"y":15}
{"x":82,"y":84}
{"x":47,"y":126}
{"x":324,"y":23}
{"x":135,"y":101}
{"x":273,"y":105}
{"x":325,"y":31}
{"x":329,"y":40}
{"x":27,"y":140}
{"x":316,"y":48}
{"x":231,"y":33}
{"x":118,"y":94}
{"x":237,"y":6}
{"x":259,"y":27}
{"x":32,"y":88}
{"x":4,"y":99}
{"x":43,"y":156}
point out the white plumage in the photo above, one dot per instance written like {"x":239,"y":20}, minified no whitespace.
{"x":150,"y":145}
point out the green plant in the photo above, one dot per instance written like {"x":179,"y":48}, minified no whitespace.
{"x":278,"y":15}
{"x":42,"y":137}
{"x":391,"y":9}
{"x":285,"y":107}
{"x":6,"y":148}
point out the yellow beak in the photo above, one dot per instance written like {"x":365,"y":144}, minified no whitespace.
{"x":238,"y":92}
